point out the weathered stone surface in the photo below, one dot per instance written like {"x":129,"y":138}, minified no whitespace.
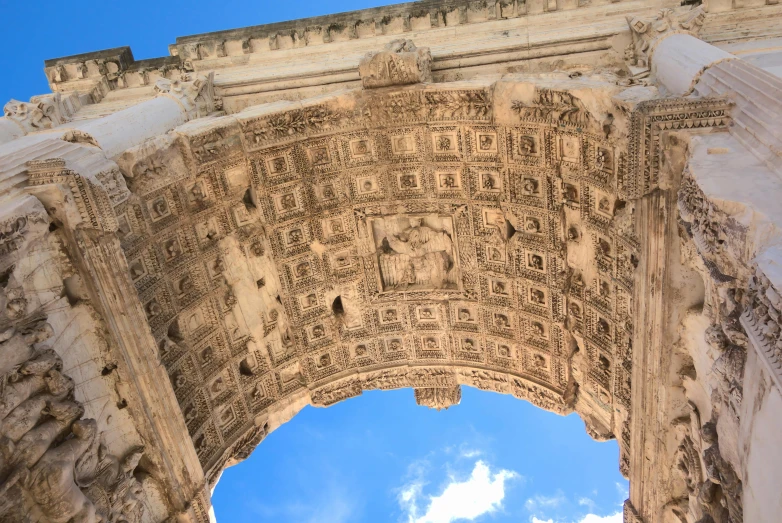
{"x":400,"y":63}
{"x":273,"y":235}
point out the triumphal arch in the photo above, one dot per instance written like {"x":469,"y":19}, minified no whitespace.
{"x":576,"y":203}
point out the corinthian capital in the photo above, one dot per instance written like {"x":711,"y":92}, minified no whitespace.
{"x":37,"y":115}
{"x":648,"y":32}
{"x":197,"y":96}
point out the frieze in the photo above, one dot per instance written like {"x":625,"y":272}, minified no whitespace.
{"x":761,"y":319}
{"x":38,"y":409}
{"x":548,"y":104}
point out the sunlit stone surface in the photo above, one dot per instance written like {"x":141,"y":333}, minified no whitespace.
{"x":573,"y":204}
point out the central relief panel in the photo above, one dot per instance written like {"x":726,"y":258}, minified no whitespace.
{"x":415,"y":252}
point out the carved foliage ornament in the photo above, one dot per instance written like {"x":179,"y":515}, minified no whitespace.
{"x":648,"y":32}
{"x":548,"y":104}
{"x":196,"y":96}
{"x":43,"y":113}
{"x":438,"y":397}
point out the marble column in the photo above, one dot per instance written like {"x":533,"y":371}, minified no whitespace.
{"x":175,"y":103}
{"x":684,"y":65}
{"x":124,"y":129}
{"x":680,"y":59}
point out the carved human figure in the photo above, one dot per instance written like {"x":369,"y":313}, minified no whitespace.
{"x":51,"y":481}
{"x":720,"y":472}
{"x":417,"y":256}
{"x":20,"y":346}
{"x":33,"y":445}
{"x":30,"y":412}
{"x":31,"y":378}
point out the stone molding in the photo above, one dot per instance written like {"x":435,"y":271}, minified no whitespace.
{"x":653,"y":118}
{"x":91,"y":206}
{"x":95,"y":74}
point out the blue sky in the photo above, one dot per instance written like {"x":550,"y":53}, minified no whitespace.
{"x":382,"y":458}
{"x":36,"y":30}
{"x":379,"y":457}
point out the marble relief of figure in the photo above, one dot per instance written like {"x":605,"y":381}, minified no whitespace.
{"x":416,"y":252}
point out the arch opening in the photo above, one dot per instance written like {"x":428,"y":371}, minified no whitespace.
{"x":364,"y":453}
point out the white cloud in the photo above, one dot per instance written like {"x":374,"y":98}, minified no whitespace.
{"x":589,"y":518}
{"x":545,"y":502}
{"x":470,"y":453}
{"x":586,"y":502}
{"x":482,"y":493}
{"x":592,"y":518}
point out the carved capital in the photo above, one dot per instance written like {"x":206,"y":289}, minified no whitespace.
{"x":41,"y":114}
{"x":197,"y":96}
{"x":648,"y":32}
{"x":400,"y":63}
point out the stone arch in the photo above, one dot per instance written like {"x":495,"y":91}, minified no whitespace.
{"x":475,"y":234}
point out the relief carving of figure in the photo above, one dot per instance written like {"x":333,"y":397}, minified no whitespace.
{"x":400,"y":63}
{"x":722,"y":490}
{"x":51,"y":481}
{"x":416,"y":252}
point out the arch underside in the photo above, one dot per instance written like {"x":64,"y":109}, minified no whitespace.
{"x":424,"y":237}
